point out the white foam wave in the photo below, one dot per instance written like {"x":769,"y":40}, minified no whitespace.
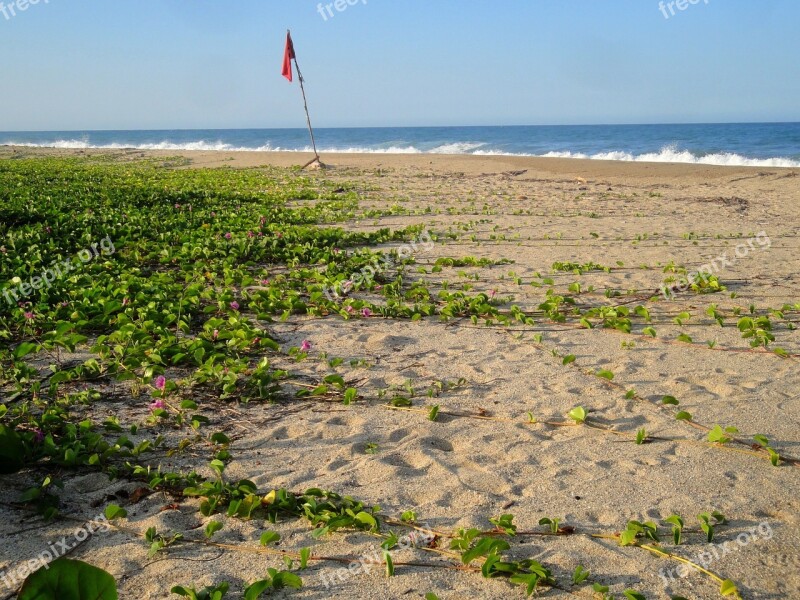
{"x":457,"y":148}
{"x":668,"y":154}
{"x":671,"y":154}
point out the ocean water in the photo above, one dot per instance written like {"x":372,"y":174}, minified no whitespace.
{"x":750,"y":144}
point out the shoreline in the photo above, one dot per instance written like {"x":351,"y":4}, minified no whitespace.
{"x":469,"y":164}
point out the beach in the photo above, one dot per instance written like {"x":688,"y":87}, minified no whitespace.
{"x":622,"y":289}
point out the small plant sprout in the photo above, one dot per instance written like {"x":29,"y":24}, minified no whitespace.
{"x":551,"y":523}
{"x":275,"y":580}
{"x":719,"y":436}
{"x":580,"y":575}
{"x":578,"y":414}
{"x":216,"y":592}
{"x":677,"y":528}
{"x":641,"y":437}
{"x":504,"y":524}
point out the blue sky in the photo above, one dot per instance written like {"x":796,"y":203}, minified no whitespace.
{"x":161,"y":64}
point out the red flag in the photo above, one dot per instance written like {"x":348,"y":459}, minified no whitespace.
{"x":287,"y":57}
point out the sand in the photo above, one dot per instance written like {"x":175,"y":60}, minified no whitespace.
{"x":460,"y":471}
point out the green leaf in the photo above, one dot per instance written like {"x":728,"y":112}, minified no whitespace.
{"x":649,"y":331}
{"x":605,"y":374}
{"x":634,"y":595}
{"x":367,"y":519}
{"x":670,"y":400}
{"x":569,"y":359}
{"x":717,"y":435}
{"x":220,"y":438}
{"x":115,"y":512}
{"x":578,"y":414}
{"x":24,"y":349}
{"x":728,"y":588}
{"x":431,"y":596}
{"x":350,"y":396}
{"x":212,"y":528}
{"x":580,"y":575}
{"x":69,"y":579}
{"x":389,"y":564}
{"x":269,"y":537}
{"x":12,"y":451}
{"x":683,"y":416}
{"x":483,"y":548}
{"x":305,"y":554}
{"x":434,"y":413}
{"x":256,"y":589}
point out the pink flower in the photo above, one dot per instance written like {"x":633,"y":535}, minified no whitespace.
{"x":29,"y":315}
{"x":125,"y":302}
{"x":350,"y":309}
{"x":366,"y":313}
{"x":158,"y":405}
{"x":265,"y":282}
{"x":228,"y":235}
{"x":234,"y":305}
{"x":215,"y":334}
{"x":213,"y":214}
{"x":305,"y":346}
{"x":494,"y":293}
{"x":160,"y":382}
{"x":250,"y":234}
{"x":177,"y":206}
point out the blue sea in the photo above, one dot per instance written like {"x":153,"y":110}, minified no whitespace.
{"x":749,"y":144}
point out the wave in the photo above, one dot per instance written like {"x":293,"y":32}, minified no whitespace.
{"x":668,"y":154}
{"x":671,"y":154}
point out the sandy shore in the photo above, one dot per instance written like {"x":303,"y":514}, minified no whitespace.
{"x":486,"y":458}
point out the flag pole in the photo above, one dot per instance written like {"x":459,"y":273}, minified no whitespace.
{"x":305,"y":105}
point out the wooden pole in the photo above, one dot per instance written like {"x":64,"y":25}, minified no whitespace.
{"x":308,"y":117}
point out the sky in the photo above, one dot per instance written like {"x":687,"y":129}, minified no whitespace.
{"x":213,"y":64}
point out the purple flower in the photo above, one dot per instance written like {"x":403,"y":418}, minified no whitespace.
{"x":234,"y":305}
{"x":38,"y":435}
{"x":228,"y":235}
{"x":158,"y":405}
{"x":305,"y":346}
{"x":366,"y":313}
{"x":160,"y":382}
{"x":350,"y":309}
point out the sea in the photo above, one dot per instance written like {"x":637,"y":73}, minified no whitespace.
{"x":733,"y":144}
